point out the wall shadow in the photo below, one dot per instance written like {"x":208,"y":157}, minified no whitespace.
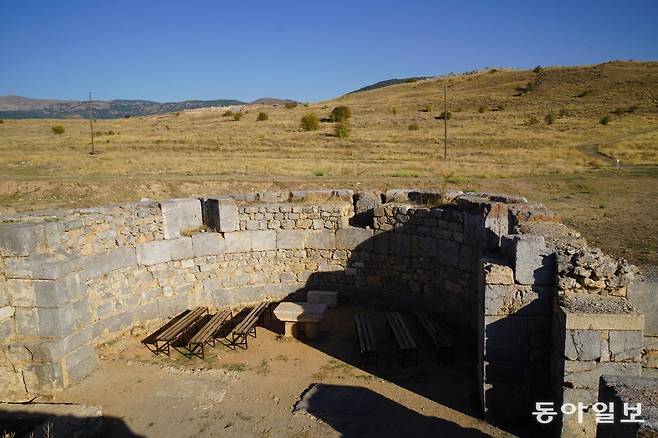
{"x":30,"y":423}
{"x":355,"y":411}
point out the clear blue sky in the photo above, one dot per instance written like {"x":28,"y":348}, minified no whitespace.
{"x":304,"y":50}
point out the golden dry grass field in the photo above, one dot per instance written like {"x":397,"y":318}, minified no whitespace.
{"x":492,"y":145}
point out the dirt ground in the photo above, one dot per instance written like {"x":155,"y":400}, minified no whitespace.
{"x":254,"y":392}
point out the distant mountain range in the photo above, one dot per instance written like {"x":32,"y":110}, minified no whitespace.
{"x":18,"y":107}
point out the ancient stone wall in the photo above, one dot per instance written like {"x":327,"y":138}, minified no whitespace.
{"x":497,"y":269}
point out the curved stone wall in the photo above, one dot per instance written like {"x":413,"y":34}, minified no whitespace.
{"x":493,"y":266}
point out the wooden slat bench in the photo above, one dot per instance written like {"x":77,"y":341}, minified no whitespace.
{"x":438,"y":337}
{"x":162,"y":338}
{"x":367,"y":343}
{"x":247,"y":327}
{"x":402,"y":335}
{"x":206,"y":335}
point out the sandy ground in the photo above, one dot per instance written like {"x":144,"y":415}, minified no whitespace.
{"x":254,"y":392}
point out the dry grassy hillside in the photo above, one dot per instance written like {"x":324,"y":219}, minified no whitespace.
{"x":491,"y":144}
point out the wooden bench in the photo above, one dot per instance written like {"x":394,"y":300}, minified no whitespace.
{"x":402,"y":335}
{"x":367,"y":343}
{"x":438,"y":337}
{"x":247,"y":327}
{"x":163,"y":337}
{"x":206,"y":335}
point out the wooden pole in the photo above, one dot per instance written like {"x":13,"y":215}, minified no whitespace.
{"x":91,"y":126}
{"x":445,"y":122}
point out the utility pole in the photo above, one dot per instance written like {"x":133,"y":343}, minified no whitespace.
{"x":445,"y":122}
{"x":91,"y":126}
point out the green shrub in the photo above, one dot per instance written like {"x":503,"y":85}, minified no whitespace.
{"x":290,"y":105}
{"x":604,"y":120}
{"x":262,"y":116}
{"x":538,"y":69}
{"x":237,"y":116}
{"x":413,"y":127}
{"x":532,"y":120}
{"x":227,"y":113}
{"x":482,"y":109}
{"x":342,"y":129}
{"x":394,"y":110}
{"x":563,"y":113}
{"x":445,"y":115}
{"x":58,"y":129}
{"x":340,"y":114}
{"x":550,"y":118}
{"x":493,"y":70}
{"x":310,"y":122}
{"x":427,"y":108}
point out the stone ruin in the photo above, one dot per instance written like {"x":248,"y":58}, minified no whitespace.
{"x":545,"y":314}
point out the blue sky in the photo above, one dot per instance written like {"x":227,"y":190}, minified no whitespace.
{"x":303,"y":50}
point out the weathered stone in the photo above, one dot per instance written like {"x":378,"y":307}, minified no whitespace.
{"x":625,"y":345}
{"x":21,"y":239}
{"x":584,"y":345}
{"x":79,"y":363}
{"x":290,"y":239}
{"x":222,"y":214}
{"x":238,"y":241}
{"x":6,"y":312}
{"x":21,"y":293}
{"x":533,"y":262}
{"x":152,"y":253}
{"x":53,"y":293}
{"x":330,"y":298}
{"x":53,"y":266}
{"x":263,"y":240}
{"x":352,"y":238}
{"x":180,"y":216}
{"x":122,"y":257}
{"x":321,"y":239}
{"x":208,"y":244}
{"x":644,"y":297}
{"x":364,"y":205}
{"x":586,"y":375}
{"x":518,"y":299}
{"x":497,"y":274}
{"x":600,"y":321}
{"x":181,"y":248}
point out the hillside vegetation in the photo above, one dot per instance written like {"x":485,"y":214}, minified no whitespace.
{"x":520,"y":131}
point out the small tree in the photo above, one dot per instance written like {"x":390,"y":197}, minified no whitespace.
{"x":290,"y":104}
{"x":604,"y":120}
{"x":262,"y":116}
{"x":340,"y":114}
{"x":228,"y":113}
{"x":58,"y":129}
{"x":310,"y":122}
{"x":550,"y":118}
{"x":342,"y":129}
{"x":237,"y":116}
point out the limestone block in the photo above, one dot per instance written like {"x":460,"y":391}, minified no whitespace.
{"x":290,"y":239}
{"x":21,"y":239}
{"x":6,"y":312}
{"x":79,"y":363}
{"x":351,"y":237}
{"x":122,"y":257}
{"x":586,"y":375}
{"x":53,"y":293}
{"x":400,"y":196}
{"x":571,"y":426}
{"x":300,"y":312}
{"x":625,"y":345}
{"x":54,"y":350}
{"x":325,"y":239}
{"x":11,"y":383}
{"x":152,"y":253}
{"x":27,"y":322}
{"x":63,"y":321}
{"x":238,"y":241}
{"x":330,"y":298}
{"x":644,"y":297}
{"x":181,"y":248}
{"x":222,"y":214}
{"x":364,"y":204}
{"x":500,"y":299}
{"x":172,"y":306}
{"x":53,"y":266}
{"x":21,"y":292}
{"x":4,"y":299}
{"x":583,"y":345}
{"x":495,"y":273}
{"x":263,"y":240}
{"x":208,"y":244}
{"x":533,"y":262}
{"x":599,"y":321}
{"x":180,"y":215}
{"x":44,"y":378}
